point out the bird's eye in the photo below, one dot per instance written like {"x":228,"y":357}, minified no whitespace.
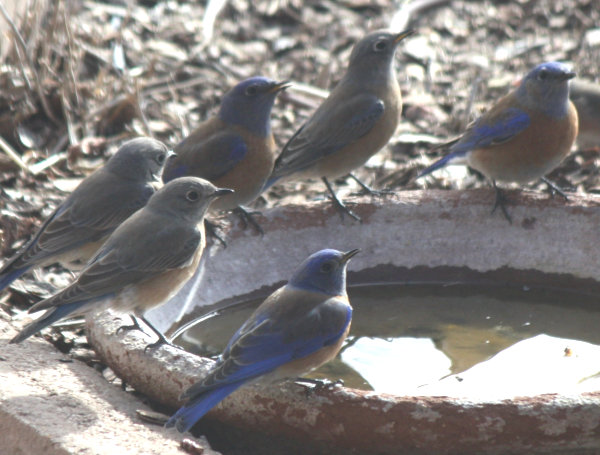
{"x":379,"y":45}
{"x":327,"y":267}
{"x":192,"y":196}
{"x":543,"y":75}
{"x":160,"y":159}
{"x":251,"y":90}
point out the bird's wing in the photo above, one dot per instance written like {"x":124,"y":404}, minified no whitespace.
{"x":143,"y":247}
{"x":300,"y":326}
{"x":92,"y":212}
{"x":494,"y":127}
{"x":332,"y":127}
{"x":209,"y":158}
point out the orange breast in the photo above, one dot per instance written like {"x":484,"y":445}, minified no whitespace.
{"x":531,"y":154}
{"x":249,"y":175}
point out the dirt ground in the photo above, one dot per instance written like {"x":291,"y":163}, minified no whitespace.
{"x":81,"y":77}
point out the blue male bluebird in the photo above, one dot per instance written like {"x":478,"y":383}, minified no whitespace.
{"x":586,"y":98}
{"x":100,"y":203}
{"x":296,"y":329}
{"x":524,"y":136}
{"x":235,"y":149}
{"x":353,"y":123}
{"x":143,"y":263}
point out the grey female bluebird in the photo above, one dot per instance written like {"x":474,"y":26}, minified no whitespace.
{"x":143,"y":263}
{"x":296,"y":329}
{"x":524,"y":136}
{"x":100,"y":203}
{"x":235,"y":149}
{"x":353,"y":123}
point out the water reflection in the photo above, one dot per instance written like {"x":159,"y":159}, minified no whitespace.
{"x":403,"y":337}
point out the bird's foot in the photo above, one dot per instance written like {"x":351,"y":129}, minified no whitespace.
{"x":344,"y":210}
{"x":312,"y":385}
{"x":248,"y":218}
{"x":366,"y":189}
{"x":162,"y":341}
{"x":553,"y":188}
{"x":339,"y":205}
{"x":214,"y":230}
{"x":128,"y":328}
{"x":501,"y":202}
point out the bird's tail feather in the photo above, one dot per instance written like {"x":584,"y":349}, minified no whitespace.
{"x":49,"y":317}
{"x":194,"y":410}
{"x":8,"y":275}
{"x":269,"y":183}
{"x":452,"y":158}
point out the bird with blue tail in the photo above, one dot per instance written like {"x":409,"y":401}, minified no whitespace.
{"x":101,"y":202}
{"x":524,"y":136}
{"x":299,"y":327}
{"x":145,"y":261}
{"x":234,"y":149}
{"x":357,"y":119}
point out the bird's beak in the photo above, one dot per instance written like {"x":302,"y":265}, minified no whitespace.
{"x":349,"y":255}
{"x":222,"y":192}
{"x":400,"y":36}
{"x":171,"y":154}
{"x":569,"y":75}
{"x":279,"y":86}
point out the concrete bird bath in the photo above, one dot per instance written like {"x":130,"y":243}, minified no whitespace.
{"x":415,"y":236}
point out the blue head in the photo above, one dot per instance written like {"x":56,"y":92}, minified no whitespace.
{"x":249,"y":104}
{"x":546,"y":89}
{"x":323,"y":271}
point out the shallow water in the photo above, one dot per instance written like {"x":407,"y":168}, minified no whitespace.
{"x":403,"y":337}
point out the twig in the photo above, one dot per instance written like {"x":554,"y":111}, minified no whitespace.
{"x":5,"y":146}
{"x":38,"y":83}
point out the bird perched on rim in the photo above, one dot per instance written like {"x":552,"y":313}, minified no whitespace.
{"x":524,"y":136}
{"x":353,"y":123}
{"x":586,"y":98}
{"x":235,"y":148}
{"x":299,"y":327}
{"x":100,"y":203}
{"x":143,"y":263}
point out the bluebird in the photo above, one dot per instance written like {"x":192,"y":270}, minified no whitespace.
{"x":143,"y":263}
{"x":234,"y":149}
{"x":299,"y":327}
{"x":586,"y":98}
{"x":524,"y":136}
{"x":353,"y":123}
{"x":101,"y":202}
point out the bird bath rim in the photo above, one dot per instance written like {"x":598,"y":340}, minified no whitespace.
{"x":421,"y":236}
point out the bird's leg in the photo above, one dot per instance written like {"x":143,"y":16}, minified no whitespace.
{"x":161,"y":338}
{"x":368,"y":190}
{"x":213,"y":229}
{"x":135,"y":326}
{"x":339,"y":204}
{"x":554,"y":188}
{"x":501,"y":202}
{"x":247,"y":218}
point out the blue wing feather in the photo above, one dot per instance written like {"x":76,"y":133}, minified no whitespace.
{"x":487,"y":131}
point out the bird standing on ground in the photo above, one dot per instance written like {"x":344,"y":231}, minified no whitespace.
{"x":353,"y":123}
{"x":143,"y":263}
{"x":524,"y":136}
{"x":100,"y":203}
{"x":299,"y":327}
{"x":234,"y":149}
